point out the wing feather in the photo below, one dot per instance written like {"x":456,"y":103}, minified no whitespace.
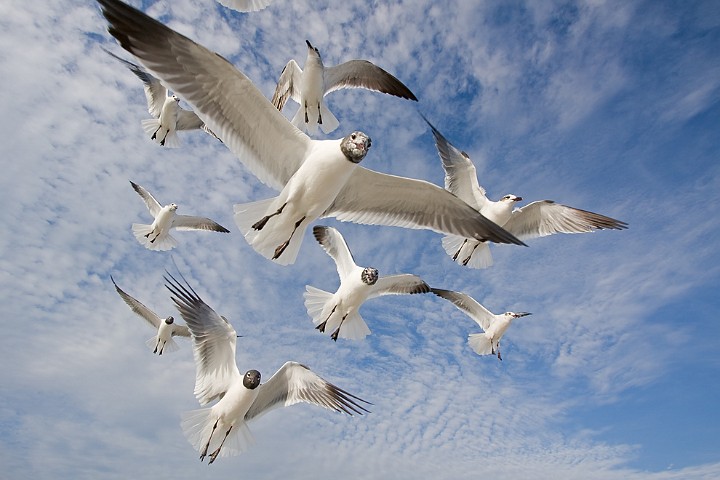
{"x":403,"y":284}
{"x":152,"y":205}
{"x":334,"y":245}
{"x":469,"y":305}
{"x":151,"y":317}
{"x":189,"y":222}
{"x":364,"y":74}
{"x":286,"y":86}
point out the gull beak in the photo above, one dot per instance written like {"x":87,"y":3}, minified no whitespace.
{"x":522,"y":314}
{"x":519,"y":199}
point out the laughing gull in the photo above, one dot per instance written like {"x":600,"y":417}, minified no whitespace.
{"x":221,"y":430}
{"x":494,"y":326}
{"x":168,"y":116}
{"x":166,"y":327}
{"x":536,"y":219}
{"x":245,"y":5}
{"x":157,"y":235}
{"x":309,"y":87}
{"x":339,"y":312}
{"x":316,"y":177}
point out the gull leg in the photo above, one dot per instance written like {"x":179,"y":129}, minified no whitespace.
{"x":459,"y":249}
{"x":306,"y":115}
{"x":154,"y":135}
{"x":215,"y":454}
{"x":321,"y":327}
{"x":319,"y":115}
{"x":334,"y":335}
{"x":281,"y":248}
{"x":162,"y":142}
{"x":157,"y":344}
{"x":467,"y":259}
{"x":261,"y":223}
{"x":207,"y":445}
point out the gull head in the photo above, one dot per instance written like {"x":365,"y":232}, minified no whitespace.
{"x":518,"y":314}
{"x":510,"y":198}
{"x":251,"y":380}
{"x":176,"y":98}
{"x":355,"y":146}
{"x":311,"y":48}
{"x":173,"y":207}
{"x":369,"y":275}
{"x":169,"y":320}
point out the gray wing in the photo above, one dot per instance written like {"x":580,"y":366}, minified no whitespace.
{"x":213,"y":340}
{"x":188,"y":120}
{"x":285,"y":88}
{"x":546,"y":217}
{"x":403,"y":284}
{"x":152,"y":204}
{"x":460,"y":173}
{"x":189,"y":222}
{"x":150,"y":317}
{"x":364,"y":74}
{"x":469,"y":305}
{"x":375,"y":198}
{"x":155,"y":92}
{"x":180,"y":331}
{"x":295,"y":383}
{"x":334,"y":245}
{"x":222,"y":96}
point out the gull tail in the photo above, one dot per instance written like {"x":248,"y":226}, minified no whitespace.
{"x":152,"y":128}
{"x":468,"y":252}
{"x":197,"y":426}
{"x":319,"y":306}
{"x":329,"y":122}
{"x":315,"y":301}
{"x":159,"y":348}
{"x":143,"y":233}
{"x":354,"y":327}
{"x":480,"y":343}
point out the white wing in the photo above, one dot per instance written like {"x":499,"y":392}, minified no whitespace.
{"x":546,"y":217}
{"x":380,"y":199}
{"x":189,"y":222}
{"x":188,"y":120}
{"x":460,"y":173}
{"x":151,"y":317}
{"x":334,"y":244}
{"x":288,"y":85}
{"x":364,"y":74}
{"x":295,"y":383}
{"x":152,"y":204}
{"x":213,"y":340}
{"x":469,"y":305}
{"x":222,"y":96}
{"x":404,"y":284}
{"x":155,"y":92}
{"x":245,"y":5}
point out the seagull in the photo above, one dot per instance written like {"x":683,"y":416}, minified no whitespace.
{"x":157,"y":236}
{"x":494,"y":326}
{"x":168,"y":116}
{"x":222,"y":428}
{"x":308,"y":88}
{"x":315,"y":177}
{"x":245,"y":5}
{"x":536,"y":219}
{"x":338,"y":312}
{"x":166,"y":327}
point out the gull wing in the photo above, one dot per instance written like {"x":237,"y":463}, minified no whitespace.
{"x":289,"y":78}
{"x":295,"y":383}
{"x":189,"y":222}
{"x":403,"y":284}
{"x":213,"y":340}
{"x":546,"y":217}
{"x":469,"y":305}
{"x":222,"y":96}
{"x":187,"y":120}
{"x":334,"y":245}
{"x":364,"y":74}
{"x":245,"y":5}
{"x":180,"y":331}
{"x":375,"y":198}
{"x":155,"y":92}
{"x":460,"y":173}
{"x":152,"y":204}
{"x":150,"y":317}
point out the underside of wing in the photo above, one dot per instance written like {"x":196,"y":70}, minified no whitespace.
{"x":334,"y":245}
{"x":403,"y":284}
{"x":136,"y":306}
{"x":189,"y":222}
{"x":364,"y":74}
{"x":468,"y":305}
{"x":152,"y":205}
{"x":188,"y":120}
{"x":286,"y":85}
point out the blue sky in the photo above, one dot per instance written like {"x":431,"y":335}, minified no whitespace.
{"x":609,"y":106}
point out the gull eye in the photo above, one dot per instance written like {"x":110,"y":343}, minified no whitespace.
{"x":353,"y":136}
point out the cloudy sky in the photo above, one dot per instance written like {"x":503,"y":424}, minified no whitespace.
{"x":609,"y":106}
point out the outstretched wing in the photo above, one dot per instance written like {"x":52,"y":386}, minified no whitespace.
{"x":150,"y":317}
{"x":213,"y":342}
{"x":189,"y":222}
{"x":187,"y":120}
{"x":546,"y":217}
{"x":155,"y":92}
{"x":334,"y":245}
{"x":364,"y":74}
{"x":295,"y":383}
{"x":152,"y":204}
{"x":245,"y":5}
{"x":288,"y":85}
{"x":404,"y":284}
{"x":469,"y":305}
{"x":222,"y":96}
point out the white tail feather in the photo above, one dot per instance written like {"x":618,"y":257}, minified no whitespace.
{"x":315,"y":301}
{"x":197,"y":425}
{"x":169,"y":346}
{"x":479,"y":258}
{"x":330,"y":123}
{"x":163,"y":242}
{"x":152,"y":127}
{"x":354,"y":327}
{"x":480,"y":343}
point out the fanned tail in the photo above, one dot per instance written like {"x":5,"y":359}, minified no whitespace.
{"x":197,"y":425}
{"x":169,"y":346}
{"x":480,"y":343}
{"x":330,"y":123}
{"x":315,"y":301}
{"x":161,"y":243}
{"x":152,"y":128}
{"x":460,"y":248}
{"x":354,"y":327}
{"x":319,"y":306}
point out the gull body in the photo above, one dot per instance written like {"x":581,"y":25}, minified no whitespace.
{"x":166,"y":328}
{"x":338,"y":313}
{"x":282,"y":156}
{"x":156,"y":236}
{"x":221,"y":430}
{"x":537,"y":219}
{"x":168,"y":116}
{"x":494,"y":326}
{"x":308,"y":88}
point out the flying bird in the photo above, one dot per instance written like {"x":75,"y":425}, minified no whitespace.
{"x":245,"y":5}
{"x":536,"y":219}
{"x":166,"y":327}
{"x":168,"y":116}
{"x":221,"y":430}
{"x":316,"y":178}
{"x":157,"y":235}
{"x":308,"y":88}
{"x":494,"y":326}
{"x":339,"y":312}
